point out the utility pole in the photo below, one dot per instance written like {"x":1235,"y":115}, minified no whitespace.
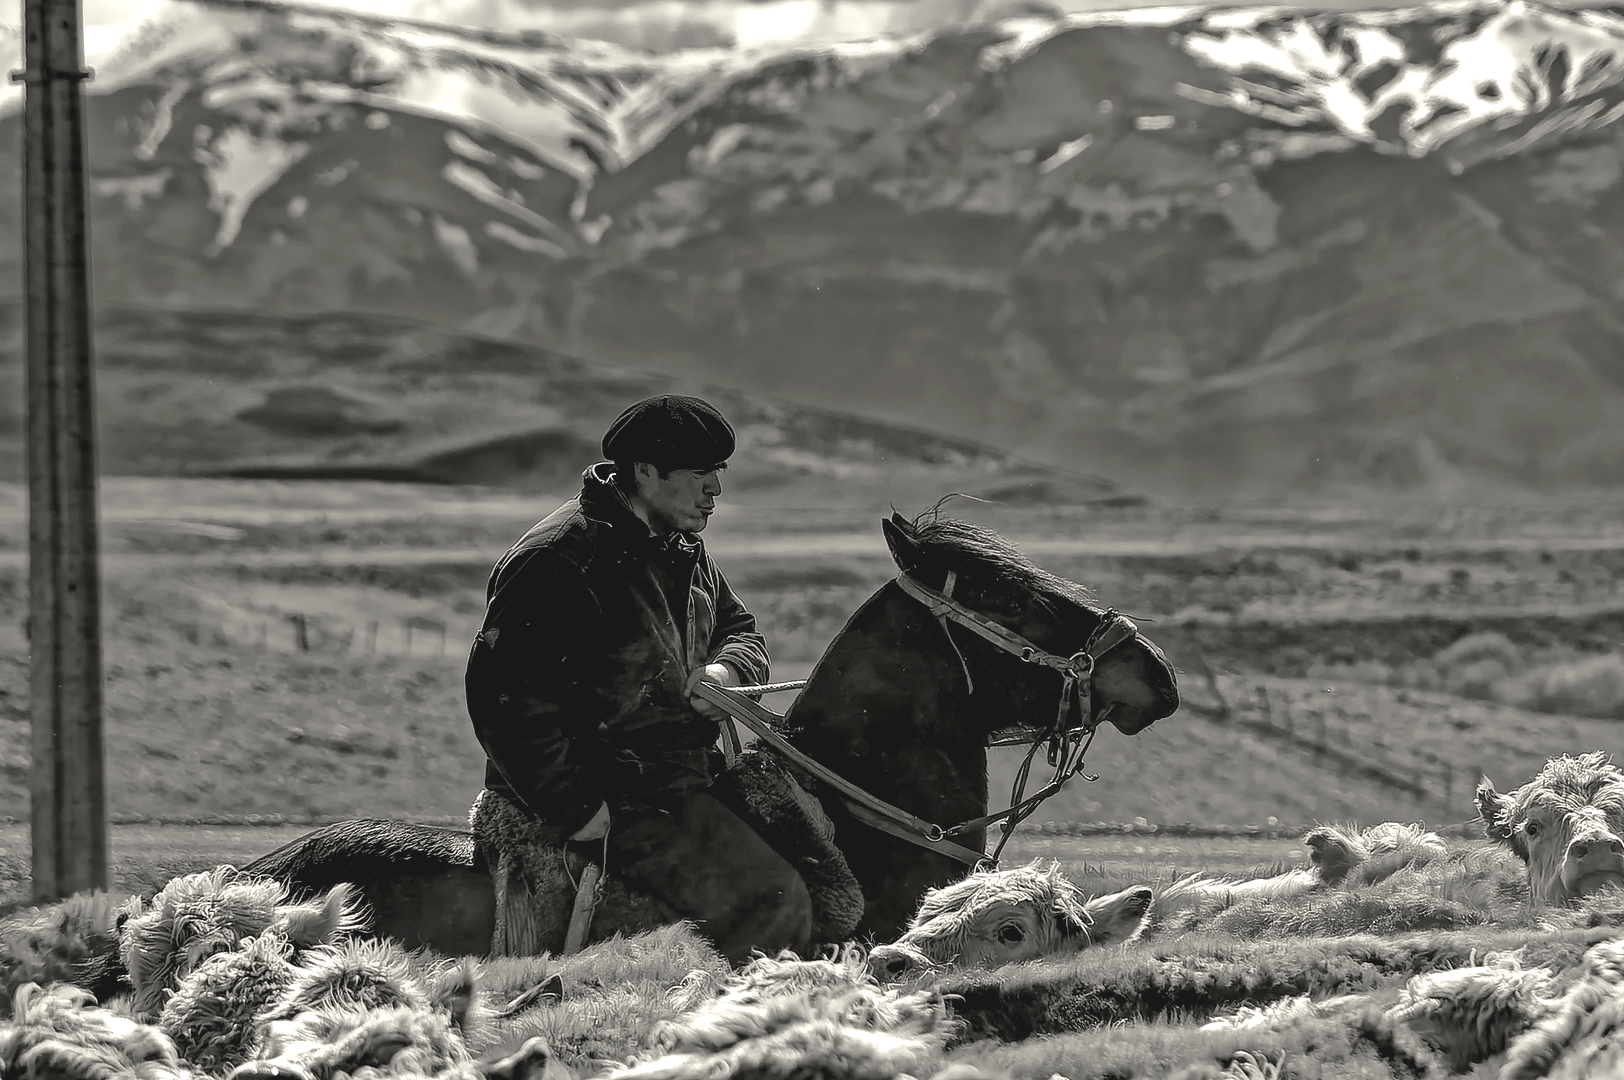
{"x":68,"y":788}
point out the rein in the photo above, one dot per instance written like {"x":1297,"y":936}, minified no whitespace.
{"x":865,"y":807}
{"x":1067,"y":744}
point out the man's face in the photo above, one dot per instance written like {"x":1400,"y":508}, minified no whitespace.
{"x":682,"y":501}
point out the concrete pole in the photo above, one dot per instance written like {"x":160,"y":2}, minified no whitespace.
{"x":68,"y":789}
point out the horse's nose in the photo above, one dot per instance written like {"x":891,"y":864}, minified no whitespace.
{"x":896,"y":966}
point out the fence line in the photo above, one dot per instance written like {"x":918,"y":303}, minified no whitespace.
{"x":1421,"y":773}
{"x":334,"y":634}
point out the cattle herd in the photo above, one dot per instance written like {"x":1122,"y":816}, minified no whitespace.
{"x":222,"y":974}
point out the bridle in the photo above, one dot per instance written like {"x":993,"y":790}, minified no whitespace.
{"x":1068,"y":742}
{"x":1076,"y":671}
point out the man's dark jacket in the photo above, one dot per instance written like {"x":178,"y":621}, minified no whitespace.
{"x":577,"y":681}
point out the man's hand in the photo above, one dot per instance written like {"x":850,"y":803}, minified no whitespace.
{"x":721,"y":675}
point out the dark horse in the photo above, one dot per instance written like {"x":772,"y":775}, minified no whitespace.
{"x":887,"y":708}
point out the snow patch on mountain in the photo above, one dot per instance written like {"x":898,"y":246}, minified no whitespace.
{"x":486,"y":190}
{"x":501,"y":230}
{"x":173,"y":34}
{"x":458,"y":143}
{"x":479,"y":102}
{"x":11,"y":58}
{"x":134,"y":190}
{"x":1504,"y":69}
{"x":585,"y":107}
{"x":239,"y":166}
{"x":456,"y":242}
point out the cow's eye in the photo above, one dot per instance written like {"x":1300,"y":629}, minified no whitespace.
{"x":1011,"y":935}
{"x":1531,"y":829}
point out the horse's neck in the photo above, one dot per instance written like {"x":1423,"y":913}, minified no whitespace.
{"x":886,"y":708}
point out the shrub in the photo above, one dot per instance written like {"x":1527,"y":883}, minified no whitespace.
{"x":1472,"y":648}
{"x":1593,"y":686}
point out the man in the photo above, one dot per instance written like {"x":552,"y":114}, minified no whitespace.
{"x":599,"y":623}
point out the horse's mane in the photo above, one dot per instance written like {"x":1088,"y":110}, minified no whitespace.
{"x":961,"y":545}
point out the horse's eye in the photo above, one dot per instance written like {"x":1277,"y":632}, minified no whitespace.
{"x":1531,"y":829}
{"x":1011,"y":934}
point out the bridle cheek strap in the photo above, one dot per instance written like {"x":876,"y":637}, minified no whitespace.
{"x":942,"y":613}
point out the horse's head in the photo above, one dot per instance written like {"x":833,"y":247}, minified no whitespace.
{"x":1133,"y":685}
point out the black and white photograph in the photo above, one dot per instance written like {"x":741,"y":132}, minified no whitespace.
{"x":811,"y":540}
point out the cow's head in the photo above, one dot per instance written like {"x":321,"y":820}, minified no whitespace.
{"x":1001,"y":917}
{"x":1567,"y":824}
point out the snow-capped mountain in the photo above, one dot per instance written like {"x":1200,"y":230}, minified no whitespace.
{"x":1249,"y":248}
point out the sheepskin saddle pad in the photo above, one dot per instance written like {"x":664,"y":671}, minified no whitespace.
{"x":760,"y":789}
{"x":525,"y":854}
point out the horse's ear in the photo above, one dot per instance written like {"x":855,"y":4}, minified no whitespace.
{"x":899,"y":538}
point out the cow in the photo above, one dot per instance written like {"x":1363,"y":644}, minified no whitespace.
{"x":1338,"y":857}
{"x":787,"y":1017}
{"x":996,"y":917}
{"x":1566,"y":824}
{"x":60,"y":1033}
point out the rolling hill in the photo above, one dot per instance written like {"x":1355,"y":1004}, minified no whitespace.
{"x":367,"y":397}
{"x":1238,"y":252}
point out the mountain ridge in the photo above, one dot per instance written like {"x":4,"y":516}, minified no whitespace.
{"x":1235,"y":252}
{"x":367,"y":397}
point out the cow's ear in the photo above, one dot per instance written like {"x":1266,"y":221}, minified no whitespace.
{"x":1498,"y":814}
{"x":1333,"y":853}
{"x":320,"y":922}
{"x":457,"y":991}
{"x":1119,"y":916}
{"x":899,"y":537}
{"x":532,"y":1061}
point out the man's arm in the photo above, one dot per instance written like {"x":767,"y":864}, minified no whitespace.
{"x":736,"y":642}
{"x":522,"y":691}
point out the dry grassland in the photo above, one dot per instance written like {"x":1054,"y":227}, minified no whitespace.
{"x":1319,"y":630}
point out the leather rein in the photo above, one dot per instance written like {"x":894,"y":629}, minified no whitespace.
{"x":1068,"y":742}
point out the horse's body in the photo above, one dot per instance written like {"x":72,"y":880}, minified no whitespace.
{"x":887,"y":708}
{"x":422,"y":884}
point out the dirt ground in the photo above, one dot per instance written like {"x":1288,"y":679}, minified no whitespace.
{"x":282,"y":648}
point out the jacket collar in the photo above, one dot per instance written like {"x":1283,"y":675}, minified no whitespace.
{"x":603,"y":502}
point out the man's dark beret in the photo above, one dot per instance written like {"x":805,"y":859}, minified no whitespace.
{"x":670,"y":432}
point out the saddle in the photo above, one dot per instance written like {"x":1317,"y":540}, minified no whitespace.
{"x":544,"y":885}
